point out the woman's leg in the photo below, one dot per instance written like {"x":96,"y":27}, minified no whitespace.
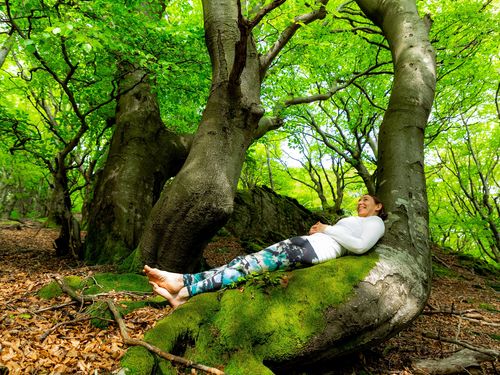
{"x":282,"y":255}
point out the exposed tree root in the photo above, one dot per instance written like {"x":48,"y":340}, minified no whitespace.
{"x":458,"y":362}
{"x":493,"y":354}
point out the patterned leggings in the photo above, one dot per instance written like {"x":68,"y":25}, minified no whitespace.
{"x":282,"y":255}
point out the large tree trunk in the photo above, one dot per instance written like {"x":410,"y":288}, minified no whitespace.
{"x":143,"y":154}
{"x":200,"y":199}
{"x":397,"y":289}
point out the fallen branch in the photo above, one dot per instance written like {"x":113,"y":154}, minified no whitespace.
{"x":481,"y":320}
{"x":78,"y":320}
{"x":471,"y":315}
{"x":54,"y":307}
{"x":442,"y":262}
{"x":458,"y":362}
{"x":70,"y":292}
{"x":123,"y":331}
{"x":170,"y":357}
{"x":449,"y":312}
{"x":490,"y":352}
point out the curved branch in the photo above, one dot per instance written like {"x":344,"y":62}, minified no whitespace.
{"x":288,"y":33}
{"x":333,"y":90}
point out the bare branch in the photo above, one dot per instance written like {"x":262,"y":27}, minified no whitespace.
{"x":288,"y":33}
{"x":154,"y":349}
{"x":263,"y":11}
{"x":333,"y":90}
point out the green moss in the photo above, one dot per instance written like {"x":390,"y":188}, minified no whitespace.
{"x":132,"y":263}
{"x":488,"y":307}
{"x":494,"y":336}
{"x":439,"y":270}
{"x":165,"y":368}
{"x":103,"y":283}
{"x":52,"y":290}
{"x":138,"y":361}
{"x":240,"y":328}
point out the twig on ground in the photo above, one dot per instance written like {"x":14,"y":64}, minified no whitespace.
{"x":126,"y":338}
{"x":450,"y":312}
{"x":54,"y":307}
{"x":130,"y":341}
{"x":491,"y":352}
{"x":439,"y":260}
{"x":78,"y":320}
{"x":70,"y":292}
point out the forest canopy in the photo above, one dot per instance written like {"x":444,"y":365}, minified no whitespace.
{"x":63,"y":66}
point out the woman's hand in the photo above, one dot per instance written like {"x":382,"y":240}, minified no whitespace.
{"x":317,"y":228}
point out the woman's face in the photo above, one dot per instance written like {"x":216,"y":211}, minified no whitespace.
{"x":368,"y":207}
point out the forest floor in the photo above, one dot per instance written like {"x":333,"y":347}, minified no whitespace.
{"x":32,"y":342}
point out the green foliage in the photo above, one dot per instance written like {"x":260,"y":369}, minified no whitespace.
{"x":240,"y":328}
{"x":263,"y":280}
{"x":23,"y":187}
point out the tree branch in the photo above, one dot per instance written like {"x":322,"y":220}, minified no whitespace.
{"x":154,"y":349}
{"x":490,"y":352}
{"x":333,"y":90}
{"x":288,"y":33}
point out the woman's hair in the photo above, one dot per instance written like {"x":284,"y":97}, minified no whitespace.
{"x":382,"y":214}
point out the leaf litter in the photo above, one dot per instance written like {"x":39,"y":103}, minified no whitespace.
{"x":32,"y":342}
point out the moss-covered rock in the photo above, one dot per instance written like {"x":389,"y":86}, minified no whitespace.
{"x":240,"y":329}
{"x":138,"y":361}
{"x":52,"y":290}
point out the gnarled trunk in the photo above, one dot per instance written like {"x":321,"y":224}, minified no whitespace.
{"x":200,"y":198}
{"x":143,"y":154}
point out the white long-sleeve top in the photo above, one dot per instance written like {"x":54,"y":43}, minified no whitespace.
{"x":352,"y":234}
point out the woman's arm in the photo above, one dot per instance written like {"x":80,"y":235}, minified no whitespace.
{"x":359,"y":237}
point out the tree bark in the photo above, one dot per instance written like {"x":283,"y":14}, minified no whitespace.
{"x":395,"y":291}
{"x":143,"y":154}
{"x":200,"y":199}
{"x":68,"y":242}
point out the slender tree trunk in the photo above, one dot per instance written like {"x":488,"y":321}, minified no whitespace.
{"x":143,"y":154}
{"x":269,"y":169}
{"x":200,"y":198}
{"x":68,"y":242}
{"x":6,"y":47}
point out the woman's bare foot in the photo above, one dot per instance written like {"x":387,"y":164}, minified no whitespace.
{"x":172,"y":282}
{"x":175,"y":300}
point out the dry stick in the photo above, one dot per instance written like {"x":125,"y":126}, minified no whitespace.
{"x":439,"y":260}
{"x":491,"y":352}
{"x":54,"y":307}
{"x":130,"y":341}
{"x":78,"y":320}
{"x":450,"y":312}
{"x":465,"y":314}
{"x":70,"y":292}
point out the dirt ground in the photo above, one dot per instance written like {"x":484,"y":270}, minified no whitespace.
{"x":33,"y":340}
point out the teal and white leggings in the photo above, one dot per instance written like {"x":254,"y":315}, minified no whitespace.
{"x":282,"y":255}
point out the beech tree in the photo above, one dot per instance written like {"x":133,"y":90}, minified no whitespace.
{"x":200,"y":197}
{"x":199,"y":200}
